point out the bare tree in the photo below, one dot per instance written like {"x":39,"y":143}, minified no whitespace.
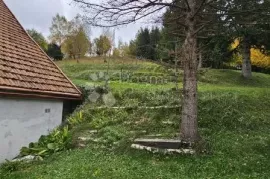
{"x":192,"y":16}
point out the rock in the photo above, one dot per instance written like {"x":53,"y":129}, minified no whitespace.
{"x":84,"y":138}
{"x":27,"y":158}
{"x":81,"y":145}
{"x":160,"y":143}
{"x":164,"y":151}
{"x":93,"y":131}
{"x":127,"y":122}
{"x":95,"y":140}
{"x":167,"y":122}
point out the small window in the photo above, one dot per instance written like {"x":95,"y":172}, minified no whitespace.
{"x":47,"y":110}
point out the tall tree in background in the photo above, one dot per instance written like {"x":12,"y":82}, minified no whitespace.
{"x":218,"y":51}
{"x":123,"y":49}
{"x":76,"y":42}
{"x":167,"y":44}
{"x":193,"y":17}
{"x":103,"y":45}
{"x":155,"y":37}
{"x":110,"y":34}
{"x":39,"y":38}
{"x":116,"y":52}
{"x":81,"y":43}
{"x":143,"y":43}
{"x":59,"y":29}
{"x":132,"y":48}
{"x":67,"y":47}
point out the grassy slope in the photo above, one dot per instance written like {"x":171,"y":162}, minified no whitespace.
{"x":234,"y":119}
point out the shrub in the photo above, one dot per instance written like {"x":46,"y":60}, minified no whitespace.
{"x":57,"y":140}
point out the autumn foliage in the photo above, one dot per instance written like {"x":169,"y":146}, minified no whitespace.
{"x":258,"y":58}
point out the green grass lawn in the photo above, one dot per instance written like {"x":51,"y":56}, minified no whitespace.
{"x":234,"y":121}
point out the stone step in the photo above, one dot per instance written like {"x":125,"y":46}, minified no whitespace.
{"x":164,"y":151}
{"x":161,"y":143}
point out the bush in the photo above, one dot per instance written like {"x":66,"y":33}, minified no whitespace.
{"x":58,"y":140}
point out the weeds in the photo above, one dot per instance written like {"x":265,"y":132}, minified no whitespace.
{"x":57,"y":140}
{"x":9,"y":166}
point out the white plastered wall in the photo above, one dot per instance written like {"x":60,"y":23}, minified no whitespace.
{"x":23,"y":121}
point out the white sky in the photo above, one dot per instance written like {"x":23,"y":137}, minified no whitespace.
{"x":38,"y":14}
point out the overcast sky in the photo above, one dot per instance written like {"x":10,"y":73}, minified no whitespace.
{"x":38,"y":14}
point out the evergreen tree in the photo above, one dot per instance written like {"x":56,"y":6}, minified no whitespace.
{"x":155,"y":37}
{"x":143,"y":44}
{"x":132,"y":48}
{"x":166,"y":45}
{"x":54,"y":51}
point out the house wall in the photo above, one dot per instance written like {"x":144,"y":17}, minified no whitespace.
{"x":23,"y":121}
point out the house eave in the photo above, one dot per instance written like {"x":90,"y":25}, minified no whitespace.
{"x":21,"y":92}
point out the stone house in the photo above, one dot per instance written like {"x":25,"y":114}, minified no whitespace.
{"x":32,"y":88}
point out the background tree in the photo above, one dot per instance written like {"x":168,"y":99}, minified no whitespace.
{"x":54,"y":51}
{"x":76,"y":43}
{"x":125,"y":50}
{"x":39,"y":38}
{"x":132,"y":48}
{"x":143,"y":43}
{"x":251,"y":27}
{"x":218,"y":51}
{"x":103,"y":45}
{"x":147,"y":43}
{"x":68,"y":48}
{"x":116,"y":52}
{"x":110,"y":34}
{"x":81,"y":44}
{"x":260,"y":60}
{"x":59,"y":29}
{"x":155,"y":37}
{"x":166,"y":44}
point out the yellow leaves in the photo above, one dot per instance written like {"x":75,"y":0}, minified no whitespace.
{"x":257,"y":57}
{"x":235,"y":44}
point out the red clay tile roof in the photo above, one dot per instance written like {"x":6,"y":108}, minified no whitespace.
{"x":24,"y":67}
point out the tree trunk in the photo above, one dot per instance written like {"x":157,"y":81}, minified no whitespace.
{"x":246,"y":62}
{"x":189,"y":124}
